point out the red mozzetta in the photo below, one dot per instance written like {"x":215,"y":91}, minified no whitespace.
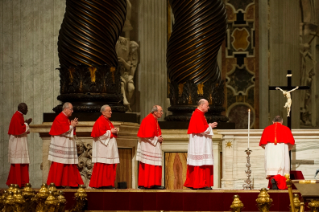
{"x":277,"y":133}
{"x":149,"y":127}
{"x":61,"y":124}
{"x":17,"y":126}
{"x":198,"y":123}
{"x":100,"y":127}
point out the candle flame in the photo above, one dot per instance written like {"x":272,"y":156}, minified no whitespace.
{"x":248,"y":110}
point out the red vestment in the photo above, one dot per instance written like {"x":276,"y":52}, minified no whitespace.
{"x":17,"y":126}
{"x":60,"y":125}
{"x":149,"y":127}
{"x":63,"y":174}
{"x":149,"y":175}
{"x":19,"y":172}
{"x":100,"y":127}
{"x":198,"y":123}
{"x":103,"y":174}
{"x":200,"y":171}
{"x":276,"y":133}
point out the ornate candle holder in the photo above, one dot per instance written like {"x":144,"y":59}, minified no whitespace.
{"x":247,"y":184}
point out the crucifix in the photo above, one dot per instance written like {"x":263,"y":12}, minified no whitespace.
{"x":286,"y":90}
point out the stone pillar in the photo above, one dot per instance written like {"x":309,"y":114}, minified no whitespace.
{"x":284,"y":55}
{"x":263,"y":13}
{"x":152,"y":37}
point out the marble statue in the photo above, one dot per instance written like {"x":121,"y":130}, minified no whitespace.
{"x":288,"y":96}
{"x":127,"y":52}
{"x":127,"y":24}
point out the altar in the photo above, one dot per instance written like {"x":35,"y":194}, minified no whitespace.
{"x":228,"y":150}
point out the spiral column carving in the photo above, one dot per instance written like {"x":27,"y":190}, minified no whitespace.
{"x":198,"y":32}
{"x":88,"y":60}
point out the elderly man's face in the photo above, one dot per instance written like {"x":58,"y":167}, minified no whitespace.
{"x":69,"y":110}
{"x":158,"y":114}
{"x":204,"y":107}
{"x":107,"y":113}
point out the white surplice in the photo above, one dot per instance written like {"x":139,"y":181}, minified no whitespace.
{"x":105,"y":149}
{"x":200,"y":149}
{"x":149,"y":151}
{"x":277,"y":159}
{"x":18,"y":148}
{"x":63,"y":148}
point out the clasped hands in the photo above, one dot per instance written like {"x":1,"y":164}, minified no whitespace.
{"x":114,"y":130}
{"x":160,"y":139}
{"x":74,"y":122}
{"x":213,"y":125}
{"x":28,"y":121}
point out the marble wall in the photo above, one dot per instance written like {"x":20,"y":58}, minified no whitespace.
{"x":28,"y":58}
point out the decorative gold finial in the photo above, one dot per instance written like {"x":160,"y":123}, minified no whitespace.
{"x":51,"y":202}
{"x":314,"y":205}
{"x":263,"y":201}
{"x":53,"y":189}
{"x":61,"y":201}
{"x":296,"y":202}
{"x":236,"y":205}
{"x":81,"y":199}
{"x":9,"y":202}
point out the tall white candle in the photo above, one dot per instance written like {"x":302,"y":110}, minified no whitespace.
{"x":248,"y":125}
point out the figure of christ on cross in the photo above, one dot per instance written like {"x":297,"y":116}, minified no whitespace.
{"x":288,"y":96}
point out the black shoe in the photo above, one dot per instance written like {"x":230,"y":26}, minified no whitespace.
{"x":158,"y":187}
{"x":191,"y":188}
{"x":141,"y":187}
{"x":274,"y":184}
{"x":205,"y":188}
{"x":106,"y":187}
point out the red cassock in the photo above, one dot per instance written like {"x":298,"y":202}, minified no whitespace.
{"x":149,"y":175}
{"x":199,"y":172}
{"x":103,"y":174}
{"x":63,"y":174}
{"x":277,"y":133}
{"x":19,"y":172}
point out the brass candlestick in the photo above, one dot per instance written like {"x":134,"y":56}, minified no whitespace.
{"x":247,"y":184}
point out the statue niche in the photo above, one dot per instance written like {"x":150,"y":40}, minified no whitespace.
{"x":127,"y":52}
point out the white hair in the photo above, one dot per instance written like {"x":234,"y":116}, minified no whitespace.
{"x":201,"y":101}
{"x":66,"y":105}
{"x":154,"y":109}
{"x":104,"y":107}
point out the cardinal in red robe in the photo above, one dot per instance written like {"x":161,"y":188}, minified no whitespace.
{"x":277,"y":140}
{"x":63,"y":153}
{"x":149,"y":151}
{"x":105,"y":151}
{"x":200,"y":163}
{"x":18,"y":154}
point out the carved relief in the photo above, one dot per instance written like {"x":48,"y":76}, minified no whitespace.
{"x":85,"y":164}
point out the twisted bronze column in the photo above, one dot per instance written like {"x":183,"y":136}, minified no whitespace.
{"x":88,"y":61}
{"x":198,"y":32}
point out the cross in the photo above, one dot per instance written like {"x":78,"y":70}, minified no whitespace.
{"x":288,"y":88}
